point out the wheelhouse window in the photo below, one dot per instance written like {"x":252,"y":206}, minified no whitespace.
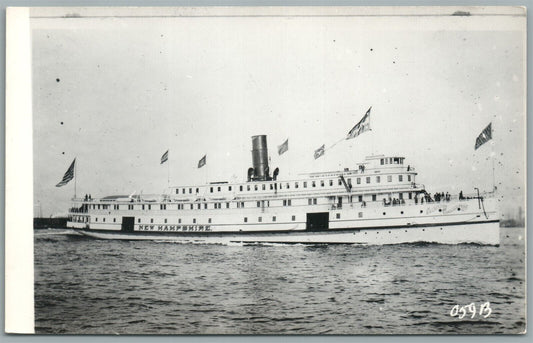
{"x":321,"y":183}
{"x":368,"y":179}
{"x":313,"y":183}
{"x":305,"y":184}
{"x":331,"y":182}
{"x":211,"y":189}
{"x":389,"y":178}
{"x":263,"y":186}
{"x":400,"y":178}
{"x":373,"y":197}
{"x":360,"y":198}
{"x":382,"y":161}
{"x":358,"y":180}
{"x":378,"y":179}
{"x":409,"y":178}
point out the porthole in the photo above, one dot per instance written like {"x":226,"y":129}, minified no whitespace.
{"x":421,"y":211}
{"x":458,"y":209}
{"x":401,"y":212}
{"x":440,"y":209}
{"x":423,"y":229}
{"x":441,"y":229}
{"x":389,"y":232}
{"x":384,"y":213}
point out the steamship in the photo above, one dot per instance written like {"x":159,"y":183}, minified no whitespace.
{"x":377,"y":201}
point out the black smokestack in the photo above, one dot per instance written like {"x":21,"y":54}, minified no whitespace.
{"x":260,"y":158}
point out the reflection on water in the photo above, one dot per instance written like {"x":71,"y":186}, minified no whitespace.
{"x":95,"y":286}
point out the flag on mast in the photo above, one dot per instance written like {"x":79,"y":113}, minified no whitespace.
{"x":362,"y":126}
{"x":283,"y":147}
{"x":164,"y":158}
{"x":69,"y":175}
{"x":202,"y":161}
{"x":320,"y":151}
{"x":484,"y":136}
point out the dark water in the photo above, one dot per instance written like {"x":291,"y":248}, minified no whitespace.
{"x":106,"y":287}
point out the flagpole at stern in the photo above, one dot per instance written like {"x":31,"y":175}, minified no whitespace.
{"x":75,"y":178}
{"x":492,"y":157}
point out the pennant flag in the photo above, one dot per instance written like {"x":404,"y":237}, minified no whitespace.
{"x":320,"y":151}
{"x":283,"y":147}
{"x":484,"y":136}
{"x":202,"y":161}
{"x":69,"y":175}
{"x":362,"y":126}
{"x":164,"y":158}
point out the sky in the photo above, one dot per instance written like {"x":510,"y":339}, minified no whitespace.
{"x":117,"y":92}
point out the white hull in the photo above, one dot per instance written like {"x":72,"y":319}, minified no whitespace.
{"x":486,"y":233}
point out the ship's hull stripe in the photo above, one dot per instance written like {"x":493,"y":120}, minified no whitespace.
{"x":278,"y":232}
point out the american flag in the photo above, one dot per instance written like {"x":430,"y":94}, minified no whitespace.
{"x":484,"y":136}
{"x":164,"y":158}
{"x":69,"y":175}
{"x":362,"y":126}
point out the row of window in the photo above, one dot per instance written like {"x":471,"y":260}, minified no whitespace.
{"x":259,"y":219}
{"x":287,"y":185}
{"x":392,"y":160}
{"x":239,"y":204}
